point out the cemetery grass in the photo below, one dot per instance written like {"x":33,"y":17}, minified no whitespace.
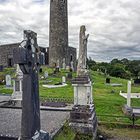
{"x":107,"y":100}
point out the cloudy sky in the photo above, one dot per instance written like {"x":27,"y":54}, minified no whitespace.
{"x":113,"y":25}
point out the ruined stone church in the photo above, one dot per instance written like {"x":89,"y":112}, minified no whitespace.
{"x":58,"y":50}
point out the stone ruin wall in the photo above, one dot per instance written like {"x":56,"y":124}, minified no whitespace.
{"x":6,"y":54}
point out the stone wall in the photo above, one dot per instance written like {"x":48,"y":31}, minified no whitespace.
{"x":6,"y":54}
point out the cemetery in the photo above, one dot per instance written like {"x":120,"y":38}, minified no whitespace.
{"x":110,"y":120}
{"x":69,"y":98}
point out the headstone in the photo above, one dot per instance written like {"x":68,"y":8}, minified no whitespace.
{"x":107,"y":80}
{"x":46,"y":74}
{"x":63,"y":80}
{"x":58,"y":64}
{"x":72,"y":66}
{"x":69,"y":75}
{"x":129,"y":94}
{"x":137,"y":81}
{"x":67,"y":67}
{"x":81,"y":68}
{"x":42,"y":58}
{"x":8,"y":81}
{"x":18,"y":85}
{"x":64,"y":63}
{"x":83,"y":116}
{"x":27,"y":57}
{"x":40,"y":70}
{"x":1,"y":68}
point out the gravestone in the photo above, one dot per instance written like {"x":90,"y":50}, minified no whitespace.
{"x":107,"y":80}
{"x":46,"y":74}
{"x":40,"y":70}
{"x":64,"y":63}
{"x":129,"y":94}
{"x":18,"y":85}
{"x":8,"y":80}
{"x":27,"y":56}
{"x":137,"y":81}
{"x":69,"y":75}
{"x":63,"y":80}
{"x":83,"y":117}
{"x":1,"y":68}
{"x":67,"y":67}
{"x":42,"y":58}
{"x":81,"y":67}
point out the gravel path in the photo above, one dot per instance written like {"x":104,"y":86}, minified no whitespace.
{"x":10,"y":121}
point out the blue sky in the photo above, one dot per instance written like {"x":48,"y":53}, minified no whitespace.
{"x":113,"y":25}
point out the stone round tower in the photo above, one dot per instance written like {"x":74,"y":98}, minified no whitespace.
{"x":58,"y":34}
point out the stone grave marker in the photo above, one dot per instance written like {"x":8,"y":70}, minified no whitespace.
{"x":46,"y":74}
{"x":64,"y":63}
{"x":83,"y":116}
{"x":27,"y":56}
{"x":8,"y":80}
{"x":1,"y":68}
{"x":63,"y":80}
{"x":18,"y":85}
{"x":107,"y":80}
{"x":72,"y":65}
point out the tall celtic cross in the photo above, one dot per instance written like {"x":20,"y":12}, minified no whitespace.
{"x":27,"y":56}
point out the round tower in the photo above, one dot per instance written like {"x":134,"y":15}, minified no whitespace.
{"x":58,"y":34}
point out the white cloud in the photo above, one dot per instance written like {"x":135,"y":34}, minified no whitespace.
{"x":113,"y":25}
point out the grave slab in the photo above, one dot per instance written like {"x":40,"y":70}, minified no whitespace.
{"x":10,"y":121}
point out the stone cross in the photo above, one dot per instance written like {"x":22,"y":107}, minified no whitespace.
{"x":27,"y":56}
{"x":129,"y":94}
{"x":81,"y":68}
{"x":64,"y":63}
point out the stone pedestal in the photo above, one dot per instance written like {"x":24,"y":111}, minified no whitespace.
{"x":82,"y":94}
{"x":17,"y":90}
{"x":83,"y":117}
{"x":18,"y":85}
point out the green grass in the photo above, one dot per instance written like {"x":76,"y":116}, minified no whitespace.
{"x":107,"y":100}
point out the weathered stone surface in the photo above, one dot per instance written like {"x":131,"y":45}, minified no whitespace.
{"x":58,"y":35}
{"x":58,"y":38}
{"x":83,"y":38}
{"x":10,"y":121}
{"x":28,"y":60}
{"x":6,"y":54}
{"x":83,"y":120}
